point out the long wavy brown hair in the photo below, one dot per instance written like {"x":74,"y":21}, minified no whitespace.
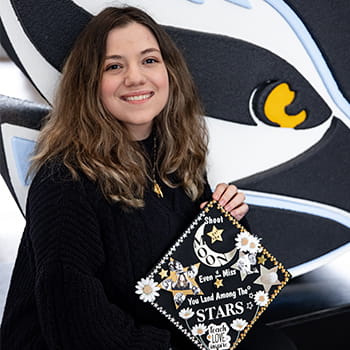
{"x":86,"y":137}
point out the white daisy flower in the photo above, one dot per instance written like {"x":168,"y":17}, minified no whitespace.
{"x":147,"y":289}
{"x":239,"y":324}
{"x":243,"y":240}
{"x":186,"y":313}
{"x":199,"y":329}
{"x":261,"y":298}
{"x":253,"y":244}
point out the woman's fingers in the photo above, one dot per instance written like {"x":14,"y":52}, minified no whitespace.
{"x":224,"y":192}
{"x":240,"y":212}
{"x":203,"y":205}
{"x":231,"y":200}
{"x":235,"y":201}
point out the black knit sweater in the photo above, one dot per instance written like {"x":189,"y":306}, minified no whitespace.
{"x":73,"y":284}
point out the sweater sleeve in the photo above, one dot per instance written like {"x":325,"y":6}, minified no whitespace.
{"x":73,"y":309}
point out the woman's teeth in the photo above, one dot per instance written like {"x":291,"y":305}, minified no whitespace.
{"x":138,"y":98}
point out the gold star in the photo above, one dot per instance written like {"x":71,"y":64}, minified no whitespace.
{"x":218,"y":283}
{"x":181,"y":284}
{"x":261,"y":260}
{"x":215,"y":234}
{"x":163,"y":273}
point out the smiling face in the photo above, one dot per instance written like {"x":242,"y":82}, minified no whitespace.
{"x":135,"y":84}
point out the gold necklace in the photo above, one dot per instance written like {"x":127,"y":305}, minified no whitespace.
{"x":156,"y":188}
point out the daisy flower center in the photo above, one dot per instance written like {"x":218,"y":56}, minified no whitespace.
{"x":147,"y":289}
{"x":244,"y":241}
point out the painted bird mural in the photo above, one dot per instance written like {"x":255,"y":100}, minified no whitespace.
{"x":271,"y":78}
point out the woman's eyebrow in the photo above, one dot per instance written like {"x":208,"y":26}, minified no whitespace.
{"x":150,"y":50}
{"x":143,"y":52}
{"x":114,"y":57}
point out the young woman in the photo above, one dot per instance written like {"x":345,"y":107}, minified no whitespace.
{"x":119,"y":174}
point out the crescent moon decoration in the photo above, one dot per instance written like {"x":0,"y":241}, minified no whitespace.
{"x":208,"y":256}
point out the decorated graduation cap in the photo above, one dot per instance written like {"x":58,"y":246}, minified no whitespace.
{"x":213,"y":295}
{"x":272,"y":78}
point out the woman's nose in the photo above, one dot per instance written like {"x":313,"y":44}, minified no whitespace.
{"x":134,"y":76}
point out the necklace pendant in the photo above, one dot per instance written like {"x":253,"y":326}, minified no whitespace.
{"x":157,"y":190}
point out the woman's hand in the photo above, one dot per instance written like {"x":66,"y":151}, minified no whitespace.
{"x":230,"y":199}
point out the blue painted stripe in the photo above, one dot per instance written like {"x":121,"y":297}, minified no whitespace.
{"x":309,"y":207}
{"x":22,"y":151}
{"x":314,"y":53}
{"x":298,"y":205}
{"x":197,"y":1}
{"x":318,"y":262}
{"x":242,"y":3}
